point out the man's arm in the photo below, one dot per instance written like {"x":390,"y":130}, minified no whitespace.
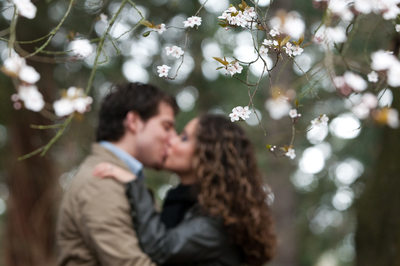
{"x":107,"y":226}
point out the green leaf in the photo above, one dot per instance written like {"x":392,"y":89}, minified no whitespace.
{"x":147,"y":23}
{"x":224,"y":62}
{"x":284,"y":41}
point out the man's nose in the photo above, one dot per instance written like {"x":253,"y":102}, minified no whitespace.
{"x":172,"y":134}
{"x":172,"y":140}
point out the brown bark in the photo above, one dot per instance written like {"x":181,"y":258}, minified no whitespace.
{"x":378,"y":210}
{"x":30,"y":223}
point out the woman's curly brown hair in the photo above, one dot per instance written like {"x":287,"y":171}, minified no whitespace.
{"x":230,"y":186}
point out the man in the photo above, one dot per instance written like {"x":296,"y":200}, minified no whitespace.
{"x":94,"y":227}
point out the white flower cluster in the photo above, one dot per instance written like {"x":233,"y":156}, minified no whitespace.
{"x":192,"y":21}
{"x":294,"y":114}
{"x":367,"y":102}
{"x":367,"y":105}
{"x":330,"y":35}
{"x":373,"y":77}
{"x":292,"y":50}
{"x":278,"y":107}
{"x":349,"y":83}
{"x":387,"y":8}
{"x":288,"y":23}
{"x":291,"y":153}
{"x":30,"y":96}
{"x":321,"y":120}
{"x":270,"y":43}
{"x":75,"y":100}
{"x":174,"y":51}
{"x":239,"y":18}
{"x":80,"y":48}
{"x":385,"y":61}
{"x":345,"y":8}
{"x":160,"y":29}
{"x":240,"y":112}
{"x":233,"y":68}
{"x":16,"y":67}
{"x":163,"y":71}
{"x":25,"y":8}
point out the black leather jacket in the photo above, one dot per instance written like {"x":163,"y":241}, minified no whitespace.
{"x":197,"y":240}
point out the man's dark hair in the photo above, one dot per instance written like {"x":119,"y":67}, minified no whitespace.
{"x":141,"y":98}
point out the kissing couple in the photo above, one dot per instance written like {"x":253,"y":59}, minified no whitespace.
{"x":217,"y":215}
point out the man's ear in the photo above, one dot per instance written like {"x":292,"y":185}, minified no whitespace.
{"x":133,"y":122}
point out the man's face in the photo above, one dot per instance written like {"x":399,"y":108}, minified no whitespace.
{"x":154,"y":135}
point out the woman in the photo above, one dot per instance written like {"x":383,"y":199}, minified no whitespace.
{"x":228,"y":223}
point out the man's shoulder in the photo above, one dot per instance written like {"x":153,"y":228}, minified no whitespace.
{"x":84,"y":186}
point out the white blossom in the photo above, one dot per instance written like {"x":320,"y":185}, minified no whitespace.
{"x":270,"y":43}
{"x":263,"y":51}
{"x":13,"y":64}
{"x":330,"y":35}
{"x":373,"y":77}
{"x":63,"y":107}
{"x":174,"y":51}
{"x":293,"y":113}
{"x":293,"y":50}
{"x":240,"y":112}
{"x":391,"y":13}
{"x":28,"y":74}
{"x":321,"y":120}
{"x":291,"y":153}
{"x":336,"y":34}
{"x":25,"y":8}
{"x":393,"y":75}
{"x":361,"y":111}
{"x":250,"y":12}
{"x":239,"y":18}
{"x":382,"y":60}
{"x":192,"y":21}
{"x":163,"y":71}
{"x":274,"y":32}
{"x":277,"y":107}
{"x":354,"y":81}
{"x":289,"y":23}
{"x":32,"y":98}
{"x":393,"y":118}
{"x":234,"y":67}
{"x":104,"y":18}
{"x":75,"y":100}
{"x":341,"y":9}
{"x":397,"y":27}
{"x":81,"y":48}
{"x":160,"y":28}
{"x":370,"y":100}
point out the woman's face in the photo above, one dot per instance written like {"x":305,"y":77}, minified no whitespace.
{"x":181,"y":149}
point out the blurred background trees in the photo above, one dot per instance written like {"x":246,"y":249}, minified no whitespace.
{"x":335,"y":204}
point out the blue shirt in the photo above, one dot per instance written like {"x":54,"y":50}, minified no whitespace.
{"x":134,"y":165}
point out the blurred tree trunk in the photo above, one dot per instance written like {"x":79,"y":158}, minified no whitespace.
{"x":30,"y":222}
{"x":378,"y":210}
{"x":30,"y":218}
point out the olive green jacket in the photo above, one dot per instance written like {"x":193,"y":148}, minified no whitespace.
{"x":94,"y":225}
